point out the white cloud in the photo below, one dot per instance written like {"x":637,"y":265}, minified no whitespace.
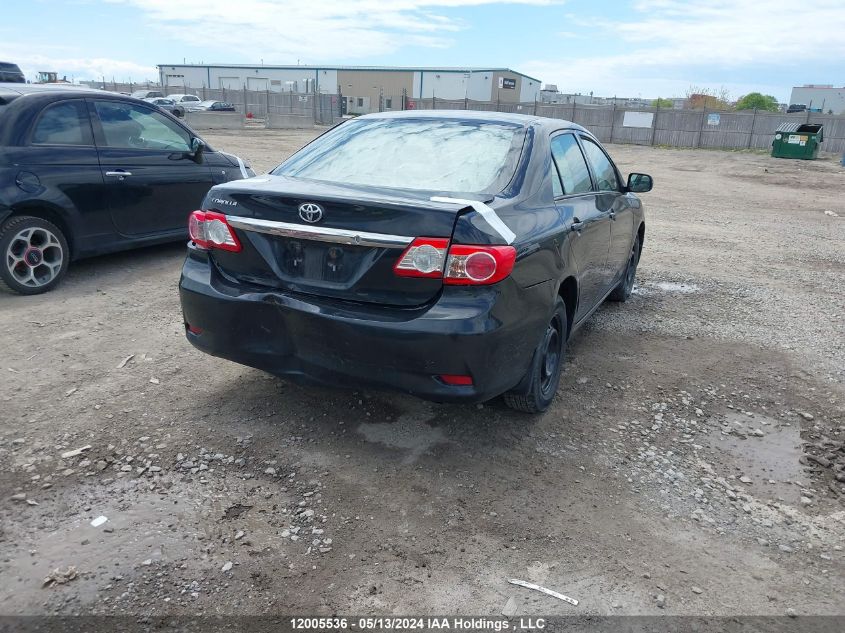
{"x":674,"y":43}
{"x":317,"y":31}
{"x":279,"y":31}
{"x":74,"y":67}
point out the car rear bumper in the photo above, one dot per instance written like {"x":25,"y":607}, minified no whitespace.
{"x":488,"y":333}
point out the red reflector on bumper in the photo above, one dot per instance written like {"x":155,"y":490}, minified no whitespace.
{"x":456,"y":379}
{"x":193,"y":329}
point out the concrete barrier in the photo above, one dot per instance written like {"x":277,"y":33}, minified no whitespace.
{"x":288,"y":121}
{"x":214,"y":120}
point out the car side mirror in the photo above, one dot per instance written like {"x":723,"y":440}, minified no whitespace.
{"x":197,"y":147}
{"x":640,"y":183}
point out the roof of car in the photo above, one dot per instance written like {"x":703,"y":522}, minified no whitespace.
{"x":476,"y":115}
{"x":23,"y":89}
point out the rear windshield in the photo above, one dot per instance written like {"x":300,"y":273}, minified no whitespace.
{"x":443,"y":155}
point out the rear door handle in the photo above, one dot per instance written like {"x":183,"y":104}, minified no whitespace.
{"x":576,"y":226}
{"x":119,"y":174}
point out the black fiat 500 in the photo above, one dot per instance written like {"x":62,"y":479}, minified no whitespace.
{"x":448,"y":255}
{"x":86,"y":172}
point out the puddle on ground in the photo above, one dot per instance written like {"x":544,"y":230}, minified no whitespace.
{"x":773,"y":457}
{"x":410,"y":432}
{"x":670,"y":287}
{"x":135,"y":534}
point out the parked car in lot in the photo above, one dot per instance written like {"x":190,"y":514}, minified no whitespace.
{"x":449,"y":255}
{"x":147,"y":94}
{"x":168,"y":105}
{"x":188,"y":102}
{"x":215,"y":106}
{"x":11,"y":73}
{"x":84,"y":172}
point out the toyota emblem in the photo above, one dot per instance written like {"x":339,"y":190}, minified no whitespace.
{"x":311,"y":212}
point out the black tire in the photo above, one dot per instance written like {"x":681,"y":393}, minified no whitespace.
{"x":34,"y":253}
{"x":626,"y":286}
{"x":543,"y":375}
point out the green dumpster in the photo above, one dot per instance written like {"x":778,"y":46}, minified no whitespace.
{"x":797,"y":140}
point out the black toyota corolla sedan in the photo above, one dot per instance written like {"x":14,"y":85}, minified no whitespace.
{"x":444,"y":254}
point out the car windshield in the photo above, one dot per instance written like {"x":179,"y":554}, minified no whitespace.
{"x":444,"y":155}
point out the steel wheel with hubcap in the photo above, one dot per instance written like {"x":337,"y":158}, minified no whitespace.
{"x":541,"y":382}
{"x":35,"y":255}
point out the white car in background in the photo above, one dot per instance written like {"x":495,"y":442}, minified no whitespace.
{"x":188,"y":102}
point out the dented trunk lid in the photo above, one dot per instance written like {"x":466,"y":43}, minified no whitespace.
{"x":330,"y":240}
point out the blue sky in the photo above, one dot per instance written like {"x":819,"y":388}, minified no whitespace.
{"x":645,"y":48}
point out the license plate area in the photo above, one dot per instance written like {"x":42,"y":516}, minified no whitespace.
{"x":321,"y":262}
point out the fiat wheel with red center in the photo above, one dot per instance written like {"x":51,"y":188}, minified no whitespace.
{"x":35,"y":255}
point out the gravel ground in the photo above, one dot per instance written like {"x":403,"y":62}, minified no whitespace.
{"x":692,"y":462}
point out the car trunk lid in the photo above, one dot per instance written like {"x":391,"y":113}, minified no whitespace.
{"x":335,"y":241}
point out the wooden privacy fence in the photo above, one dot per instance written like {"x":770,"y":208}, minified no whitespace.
{"x":747,"y":129}
{"x":675,"y":128}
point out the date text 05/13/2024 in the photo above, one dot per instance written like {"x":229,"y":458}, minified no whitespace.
{"x":455,"y":623}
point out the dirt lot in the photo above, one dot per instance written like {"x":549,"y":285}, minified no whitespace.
{"x":692,"y":462}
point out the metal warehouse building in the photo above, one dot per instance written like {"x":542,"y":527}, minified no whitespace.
{"x":362,"y":87}
{"x":824,"y":98}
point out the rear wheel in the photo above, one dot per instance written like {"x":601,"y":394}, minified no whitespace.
{"x":544,"y":373}
{"x":626,"y":286}
{"x":35,"y":255}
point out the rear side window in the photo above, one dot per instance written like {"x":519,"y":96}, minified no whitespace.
{"x":574,"y":175}
{"x":443,"y":155}
{"x":602,"y":167}
{"x":126,"y":125}
{"x":64,"y":123}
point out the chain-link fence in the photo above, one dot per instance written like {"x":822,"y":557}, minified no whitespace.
{"x":322,"y":108}
{"x":122,"y":87}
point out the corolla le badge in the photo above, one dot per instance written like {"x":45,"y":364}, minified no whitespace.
{"x":311,"y":212}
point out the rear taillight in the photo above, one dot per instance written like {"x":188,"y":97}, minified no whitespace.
{"x":476,"y":265}
{"x":209,"y":229}
{"x":423,"y":258}
{"x":458,"y":264}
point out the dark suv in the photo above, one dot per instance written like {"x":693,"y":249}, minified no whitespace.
{"x":11,"y":73}
{"x":85,"y":172}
